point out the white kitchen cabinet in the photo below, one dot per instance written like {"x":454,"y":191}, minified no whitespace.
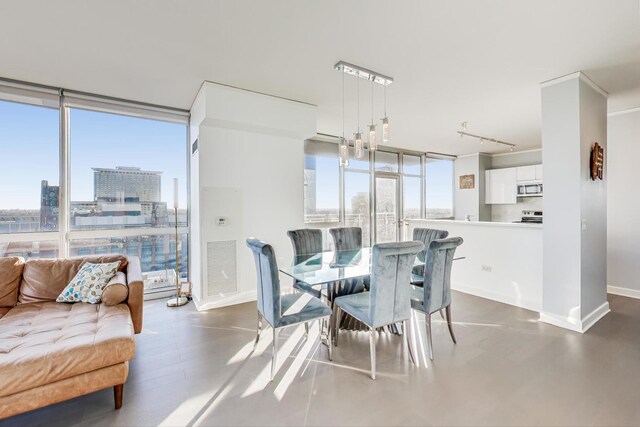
{"x":526,"y":173}
{"x":500,"y":186}
{"x":538,"y":172}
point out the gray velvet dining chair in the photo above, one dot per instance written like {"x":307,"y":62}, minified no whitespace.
{"x":281,"y":310}
{"x":426,"y":236}
{"x":436,"y":291}
{"x":347,"y":238}
{"x":306,"y":242}
{"x":388,"y":300}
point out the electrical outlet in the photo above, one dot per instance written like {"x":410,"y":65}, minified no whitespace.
{"x":486,"y":268}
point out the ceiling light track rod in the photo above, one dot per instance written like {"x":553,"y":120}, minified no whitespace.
{"x":363,"y":73}
{"x":484,"y":138}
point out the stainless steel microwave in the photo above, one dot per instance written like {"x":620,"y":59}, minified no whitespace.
{"x":530,"y":190}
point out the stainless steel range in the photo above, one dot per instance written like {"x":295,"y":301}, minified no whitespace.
{"x":531,"y":217}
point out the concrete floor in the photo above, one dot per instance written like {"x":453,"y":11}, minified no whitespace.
{"x":196,"y":368}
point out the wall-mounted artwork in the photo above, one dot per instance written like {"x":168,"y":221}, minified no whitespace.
{"x":597,"y":162}
{"x":467,"y":182}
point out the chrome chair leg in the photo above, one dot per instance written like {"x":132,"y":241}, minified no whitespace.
{"x":255,"y":344}
{"x":408,"y":333}
{"x":448,"y":311}
{"x":338,"y":316}
{"x":429,"y":341}
{"x":372,"y":344}
{"x":330,"y":342}
{"x":275,"y":352}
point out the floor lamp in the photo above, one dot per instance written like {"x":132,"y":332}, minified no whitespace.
{"x":178,"y":300}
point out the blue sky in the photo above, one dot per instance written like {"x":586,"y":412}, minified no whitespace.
{"x":29,"y":140}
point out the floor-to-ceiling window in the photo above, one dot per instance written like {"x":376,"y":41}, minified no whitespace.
{"x":357,"y":195}
{"x":412,"y":184}
{"x":397,"y":185}
{"x":117,"y":161}
{"x":29,"y":137}
{"x":439,"y":188}
{"x":321,"y":183}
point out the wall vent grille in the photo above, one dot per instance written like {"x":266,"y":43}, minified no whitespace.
{"x":221,"y":268}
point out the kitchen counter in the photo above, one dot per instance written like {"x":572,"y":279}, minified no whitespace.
{"x":503,"y":260}
{"x":484,"y":223}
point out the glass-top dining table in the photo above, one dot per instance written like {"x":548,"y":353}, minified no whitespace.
{"x":338,"y":273}
{"x":329,"y":267}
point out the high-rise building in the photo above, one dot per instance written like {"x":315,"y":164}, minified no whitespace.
{"x":49,"y":206}
{"x":126,"y":183}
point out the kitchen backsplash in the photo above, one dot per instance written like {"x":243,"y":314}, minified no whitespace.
{"x":510,"y":213}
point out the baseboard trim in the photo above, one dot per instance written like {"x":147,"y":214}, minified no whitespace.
{"x":590,"y":319}
{"x":226,"y":300}
{"x":494,"y":296}
{"x":561,"y":322}
{"x":573,"y":324}
{"x":625,"y":292}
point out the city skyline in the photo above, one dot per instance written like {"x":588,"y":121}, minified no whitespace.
{"x":98,"y":140}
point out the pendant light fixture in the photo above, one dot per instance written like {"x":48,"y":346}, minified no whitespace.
{"x":343,"y":146}
{"x":358,"y":143}
{"x":385,"y":121}
{"x":372,"y":127}
{"x":358,"y":147}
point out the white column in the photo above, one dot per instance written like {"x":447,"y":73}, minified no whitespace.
{"x":246,"y":181}
{"x":574,"y":117}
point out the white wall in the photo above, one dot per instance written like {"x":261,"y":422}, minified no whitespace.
{"x":471,"y":201}
{"x":623,"y":204}
{"x":593,"y":128}
{"x":484,"y":210}
{"x":250,"y":170}
{"x":513,"y":256}
{"x":515,"y":159}
{"x":573,"y":117}
{"x":466,"y":201}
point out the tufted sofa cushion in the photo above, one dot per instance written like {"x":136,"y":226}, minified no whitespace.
{"x":45,"y":342}
{"x":44,"y":279}
{"x":10,"y":274}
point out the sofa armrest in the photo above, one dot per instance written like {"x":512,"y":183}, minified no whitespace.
{"x":135,"y":300}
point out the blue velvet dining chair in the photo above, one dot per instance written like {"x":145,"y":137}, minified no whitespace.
{"x":436,"y":291}
{"x":346,"y":238}
{"x":306,"y":242}
{"x":388,"y":300}
{"x":281,"y":310}
{"x":426,"y":236}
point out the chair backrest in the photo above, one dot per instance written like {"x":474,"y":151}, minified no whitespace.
{"x":390,"y":292}
{"x":347,"y":238}
{"x":268,"y":281}
{"x":426,"y":236}
{"x":306,"y":243}
{"x":437,"y":279}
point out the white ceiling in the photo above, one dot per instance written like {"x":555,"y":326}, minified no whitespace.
{"x":477,"y":61}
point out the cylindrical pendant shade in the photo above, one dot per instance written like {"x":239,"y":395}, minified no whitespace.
{"x":358,"y":146}
{"x":372,"y":138}
{"x":385,"y":130}
{"x":343,"y":152}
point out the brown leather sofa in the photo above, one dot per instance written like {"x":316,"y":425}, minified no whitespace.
{"x":50,"y":351}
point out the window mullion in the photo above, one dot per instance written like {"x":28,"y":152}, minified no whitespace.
{"x":63,"y":196}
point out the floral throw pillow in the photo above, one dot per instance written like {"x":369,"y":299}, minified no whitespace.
{"x":88,"y":284}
